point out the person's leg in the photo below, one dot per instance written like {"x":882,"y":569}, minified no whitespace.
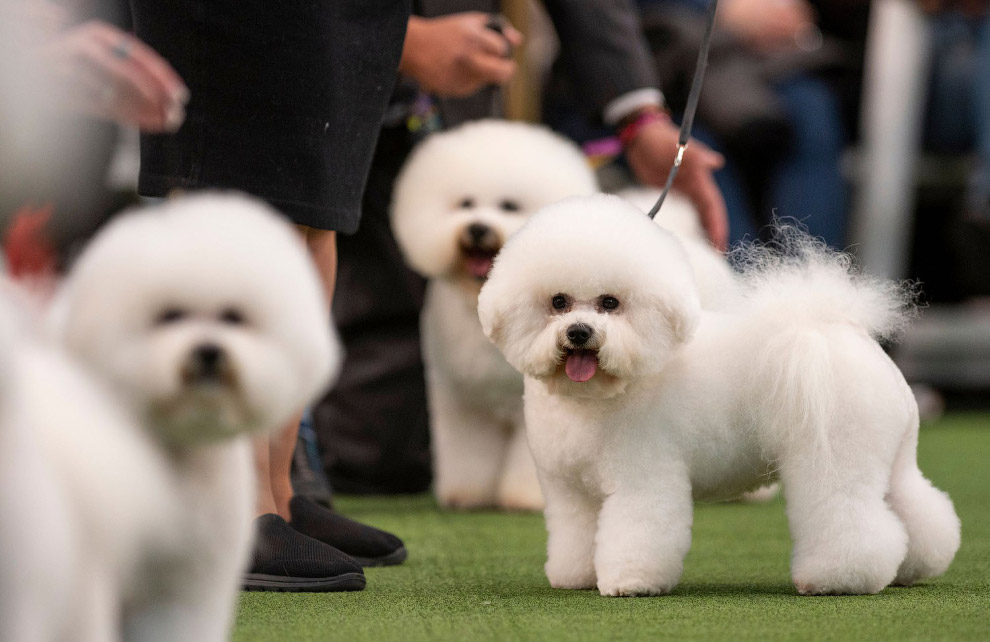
{"x":743,"y":224}
{"x":808,"y":184}
{"x":979,"y":199}
{"x":273,"y":456}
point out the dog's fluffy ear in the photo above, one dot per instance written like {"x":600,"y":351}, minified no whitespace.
{"x":682,"y":312}
{"x":491,"y":314}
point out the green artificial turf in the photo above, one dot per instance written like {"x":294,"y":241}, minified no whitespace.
{"x":479,"y":576}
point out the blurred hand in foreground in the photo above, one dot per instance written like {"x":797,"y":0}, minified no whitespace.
{"x":107,"y":73}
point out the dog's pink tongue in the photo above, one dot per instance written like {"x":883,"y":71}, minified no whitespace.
{"x":479,"y":265}
{"x":581,"y":365}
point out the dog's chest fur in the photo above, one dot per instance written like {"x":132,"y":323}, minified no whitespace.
{"x":457,"y":353}
{"x":213,"y":485}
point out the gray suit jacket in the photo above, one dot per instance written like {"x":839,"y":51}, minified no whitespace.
{"x":601,"y":43}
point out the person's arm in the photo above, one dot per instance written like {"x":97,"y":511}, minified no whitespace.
{"x":603,"y":47}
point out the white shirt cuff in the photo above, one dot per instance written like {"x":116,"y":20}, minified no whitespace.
{"x":630,"y":102}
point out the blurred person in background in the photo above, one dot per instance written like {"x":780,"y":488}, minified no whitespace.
{"x":286,"y":101}
{"x":372,"y":429}
{"x":957,"y":121}
{"x":782,"y":82}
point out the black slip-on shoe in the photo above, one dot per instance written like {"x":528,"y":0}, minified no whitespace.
{"x":367,"y":545}
{"x":287,"y":560}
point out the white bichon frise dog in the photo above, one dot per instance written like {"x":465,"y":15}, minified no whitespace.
{"x":638,"y":401}
{"x":82,"y":490}
{"x":461,"y":194}
{"x":206,"y":318}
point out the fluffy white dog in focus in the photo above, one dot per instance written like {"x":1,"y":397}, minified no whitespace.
{"x":206,"y":319}
{"x":459,"y":197}
{"x":639,"y":401}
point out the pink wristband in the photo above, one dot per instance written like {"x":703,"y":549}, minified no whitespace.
{"x":628,"y":133}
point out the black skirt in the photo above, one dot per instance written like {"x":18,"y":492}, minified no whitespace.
{"x":286,"y":99}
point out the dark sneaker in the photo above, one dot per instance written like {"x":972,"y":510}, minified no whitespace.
{"x":287,"y":560}
{"x":365,"y":544}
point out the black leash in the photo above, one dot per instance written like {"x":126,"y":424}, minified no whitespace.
{"x":691,"y":107}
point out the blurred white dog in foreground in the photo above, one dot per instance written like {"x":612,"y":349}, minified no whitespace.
{"x":638,"y":401}
{"x":82,"y":492}
{"x":460,"y":196}
{"x":206,"y":319}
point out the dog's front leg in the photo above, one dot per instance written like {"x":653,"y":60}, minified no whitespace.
{"x":572,"y":519}
{"x":519,"y":488}
{"x":468,"y":449}
{"x":644,"y":533}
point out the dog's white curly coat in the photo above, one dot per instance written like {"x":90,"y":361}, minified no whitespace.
{"x":690,"y":404}
{"x":141,"y":480}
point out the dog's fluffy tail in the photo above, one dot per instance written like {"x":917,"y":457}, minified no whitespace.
{"x":800,"y":292}
{"x":798,"y":281}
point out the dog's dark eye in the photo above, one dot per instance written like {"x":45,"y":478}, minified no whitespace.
{"x":610,"y":302}
{"x":559,"y":302}
{"x":466,"y":203}
{"x":170,"y":315}
{"x":508,"y":205}
{"x":232,"y":316}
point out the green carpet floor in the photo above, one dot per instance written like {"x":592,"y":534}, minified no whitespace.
{"x":479,"y":576}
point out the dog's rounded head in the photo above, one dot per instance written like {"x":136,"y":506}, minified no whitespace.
{"x":206,"y":313}
{"x":463,"y":192}
{"x":589,"y":295}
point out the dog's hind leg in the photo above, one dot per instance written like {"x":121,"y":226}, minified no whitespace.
{"x":928,"y":515}
{"x":847,"y":540}
{"x":468,"y":449}
{"x":519,"y":488}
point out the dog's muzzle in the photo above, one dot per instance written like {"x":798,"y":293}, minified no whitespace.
{"x":207,"y":363}
{"x":580,"y":333}
{"x":479,"y":245}
{"x":581,"y":352}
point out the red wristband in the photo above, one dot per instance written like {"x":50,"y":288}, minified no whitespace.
{"x":628,"y":133}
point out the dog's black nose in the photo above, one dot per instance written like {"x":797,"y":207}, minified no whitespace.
{"x":207,"y":356}
{"x":477,"y":232}
{"x":579,"y":333}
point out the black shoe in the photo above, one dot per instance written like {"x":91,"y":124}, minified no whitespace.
{"x":365,"y":544}
{"x":286,"y":560}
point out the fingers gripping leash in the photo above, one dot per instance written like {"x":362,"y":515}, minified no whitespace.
{"x":692,"y":106}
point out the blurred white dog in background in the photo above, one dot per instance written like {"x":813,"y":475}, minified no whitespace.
{"x":461,"y":194}
{"x":205,"y":318}
{"x":639,"y":401}
{"x":717,"y":284}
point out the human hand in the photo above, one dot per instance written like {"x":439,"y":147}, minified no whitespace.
{"x":651,"y":154}
{"x":457,"y":55}
{"x":109,"y":74}
{"x":768,"y":25}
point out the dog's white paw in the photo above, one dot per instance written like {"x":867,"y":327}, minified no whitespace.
{"x":521,"y":498}
{"x":858,"y":563}
{"x":633,"y":587}
{"x":465,"y":498}
{"x":569,"y":575}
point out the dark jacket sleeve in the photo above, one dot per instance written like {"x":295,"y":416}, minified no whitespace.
{"x":602,"y":47}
